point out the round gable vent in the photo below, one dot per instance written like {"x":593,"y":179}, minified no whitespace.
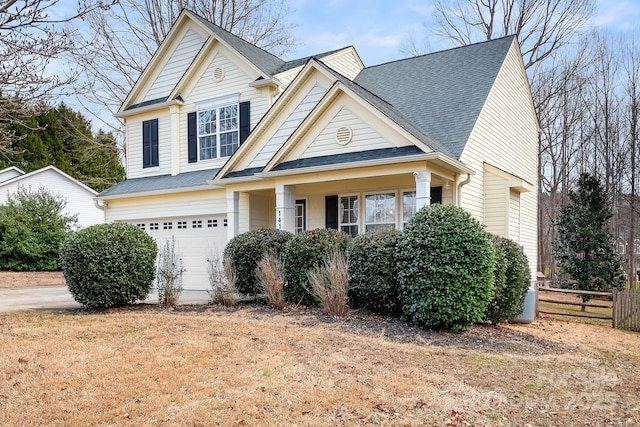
{"x":344,"y":135}
{"x":218,"y":74}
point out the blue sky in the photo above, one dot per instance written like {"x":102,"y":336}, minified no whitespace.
{"x":378,"y":30}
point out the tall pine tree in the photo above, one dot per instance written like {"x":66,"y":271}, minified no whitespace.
{"x":63,"y":138}
{"x":584,"y":249}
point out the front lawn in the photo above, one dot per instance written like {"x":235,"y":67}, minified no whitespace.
{"x":194,"y":366}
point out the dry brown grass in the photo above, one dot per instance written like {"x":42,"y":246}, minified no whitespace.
{"x":251,"y":366}
{"x":14,"y":279}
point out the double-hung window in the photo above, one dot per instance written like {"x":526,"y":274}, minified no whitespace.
{"x":349,"y":214}
{"x":218,"y":132}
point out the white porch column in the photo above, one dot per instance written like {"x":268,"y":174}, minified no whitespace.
{"x":285,"y":207}
{"x":423,"y":189}
{"x":233,"y":214}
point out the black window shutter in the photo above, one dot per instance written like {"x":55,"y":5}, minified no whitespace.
{"x":331,"y":212}
{"x":192,"y":137}
{"x":245,"y":120}
{"x":150,"y":143}
{"x":154,"y":143}
{"x":146,"y":144}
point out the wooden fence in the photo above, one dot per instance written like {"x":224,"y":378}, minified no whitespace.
{"x":621,"y":307}
{"x":600,"y":304}
{"x":626,"y":309}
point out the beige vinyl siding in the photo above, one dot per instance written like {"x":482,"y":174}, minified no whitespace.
{"x":206,"y":202}
{"x":134,"y":145}
{"x":175,"y":67}
{"x":506,"y":134}
{"x":236,"y":82}
{"x":345,"y":63}
{"x":364,"y":137}
{"x":262,"y":211}
{"x":496,"y":204}
{"x":514,"y":215}
{"x":291,"y":123}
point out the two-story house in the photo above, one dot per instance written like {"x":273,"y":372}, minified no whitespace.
{"x":223,"y":137}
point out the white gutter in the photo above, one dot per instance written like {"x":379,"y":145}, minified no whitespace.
{"x":462,"y":184}
{"x":150,"y":107}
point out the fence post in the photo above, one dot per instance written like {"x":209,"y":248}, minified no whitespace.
{"x":614,"y":320}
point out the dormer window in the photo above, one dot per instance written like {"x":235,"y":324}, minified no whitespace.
{"x":218,"y":132}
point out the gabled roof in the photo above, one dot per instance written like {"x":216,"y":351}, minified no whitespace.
{"x":301,"y":61}
{"x":161,"y":184}
{"x":440,"y":93}
{"x":265,"y":61}
{"x":43,"y":170}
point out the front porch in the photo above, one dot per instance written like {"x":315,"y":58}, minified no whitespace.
{"x":351,"y":204}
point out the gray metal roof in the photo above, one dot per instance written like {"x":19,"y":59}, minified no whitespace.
{"x":265,"y":61}
{"x":441,"y":93}
{"x":161,"y":183}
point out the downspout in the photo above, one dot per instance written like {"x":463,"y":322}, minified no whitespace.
{"x":102,"y":205}
{"x":459,"y":188}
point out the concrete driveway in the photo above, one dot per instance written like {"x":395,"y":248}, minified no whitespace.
{"x":59,"y":298}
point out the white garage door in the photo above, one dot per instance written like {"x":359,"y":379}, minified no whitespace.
{"x":196,"y":240}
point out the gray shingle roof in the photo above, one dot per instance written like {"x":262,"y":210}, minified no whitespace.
{"x":301,"y":61}
{"x":441,"y":93}
{"x":161,"y":183}
{"x":262,"y":59}
{"x":381,"y":153}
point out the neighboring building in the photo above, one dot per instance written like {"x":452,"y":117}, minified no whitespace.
{"x":223,"y":137}
{"x":80,"y":198}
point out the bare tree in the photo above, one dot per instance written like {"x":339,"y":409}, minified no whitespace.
{"x":542,"y":26}
{"x":32,"y":36}
{"x":120,"y":41}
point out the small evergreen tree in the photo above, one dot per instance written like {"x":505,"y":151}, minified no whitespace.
{"x":32,"y":227}
{"x":584,"y":249}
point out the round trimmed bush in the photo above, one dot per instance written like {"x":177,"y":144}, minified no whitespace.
{"x":245,"y":252}
{"x":445,"y":268}
{"x":301,"y":254}
{"x":512,"y":281}
{"x":108,"y":265}
{"x":372,"y":271}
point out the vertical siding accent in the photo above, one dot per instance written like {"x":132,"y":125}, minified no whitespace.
{"x":495,"y":204}
{"x":175,"y":67}
{"x":507,"y":131}
{"x":291,"y":123}
{"x":514,"y":215}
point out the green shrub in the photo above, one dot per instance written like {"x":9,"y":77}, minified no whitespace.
{"x":373,"y":280}
{"x":301,"y":254}
{"x":445,"y":268}
{"x":245,"y":252}
{"x":512,"y":281}
{"x":108,"y":265}
{"x":32,"y":227}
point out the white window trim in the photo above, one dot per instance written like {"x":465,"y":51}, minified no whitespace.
{"x":211,"y":104}
{"x":359,"y":222}
{"x":401,"y":203}
{"x":364,"y":206}
{"x":306,"y":212}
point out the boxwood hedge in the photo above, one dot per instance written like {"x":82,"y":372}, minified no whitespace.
{"x":108,"y":265}
{"x":445,"y":268}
